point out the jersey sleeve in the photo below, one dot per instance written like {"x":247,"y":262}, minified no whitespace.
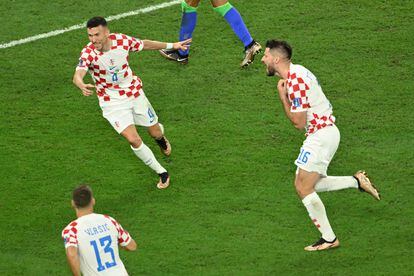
{"x":85,"y":59}
{"x":298,"y":92}
{"x":124,"y":238}
{"x":70,"y":235}
{"x":135,"y":44}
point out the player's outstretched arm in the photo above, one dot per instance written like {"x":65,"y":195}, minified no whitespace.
{"x":78,"y":81}
{"x":131,"y":246}
{"x":73,"y":260}
{"x":157,"y":45}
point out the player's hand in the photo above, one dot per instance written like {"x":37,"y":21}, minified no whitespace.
{"x":182,"y":45}
{"x":86,"y":89}
{"x":282,"y":88}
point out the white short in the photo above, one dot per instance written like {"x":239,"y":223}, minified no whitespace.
{"x":318,"y":150}
{"x":136,"y":111}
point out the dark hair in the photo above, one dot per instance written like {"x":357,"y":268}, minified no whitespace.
{"x":281,"y":46}
{"x":82,"y":196}
{"x":96,"y":21}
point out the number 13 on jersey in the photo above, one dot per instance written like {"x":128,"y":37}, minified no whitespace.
{"x":104,"y":242}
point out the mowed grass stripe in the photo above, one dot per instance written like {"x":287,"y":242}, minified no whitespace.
{"x":81,"y":25}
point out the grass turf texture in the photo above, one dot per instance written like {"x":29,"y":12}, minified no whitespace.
{"x":231,"y":207}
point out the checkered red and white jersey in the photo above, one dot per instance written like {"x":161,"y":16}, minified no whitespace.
{"x":305,"y":94}
{"x":114,"y":79}
{"x":97,"y":238}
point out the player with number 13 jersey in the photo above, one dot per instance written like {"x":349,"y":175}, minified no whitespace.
{"x":92,"y":240}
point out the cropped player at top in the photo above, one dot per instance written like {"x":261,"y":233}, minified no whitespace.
{"x":92,"y":240}
{"x":233,"y":18}
{"x":307,"y":108}
{"x":121,"y":97}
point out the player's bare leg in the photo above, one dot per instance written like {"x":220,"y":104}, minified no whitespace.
{"x":131,"y":135}
{"x":146,"y":155}
{"x":305,"y":182}
{"x":193,"y":3}
{"x":305,"y":187}
{"x":234,"y":19}
{"x":157,"y":132}
{"x":218,"y":3}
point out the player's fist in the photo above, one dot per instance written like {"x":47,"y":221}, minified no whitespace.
{"x":182,"y":45}
{"x":282,"y":87}
{"x":86,"y":89}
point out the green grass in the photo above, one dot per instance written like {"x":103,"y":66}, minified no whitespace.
{"x":231,"y":208}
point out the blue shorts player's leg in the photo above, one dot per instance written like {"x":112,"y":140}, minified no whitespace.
{"x":188,"y":24}
{"x":233,"y":17}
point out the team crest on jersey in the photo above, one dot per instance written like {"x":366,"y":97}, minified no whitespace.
{"x":297,"y":102}
{"x":115,"y":75}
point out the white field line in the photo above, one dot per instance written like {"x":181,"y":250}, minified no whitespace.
{"x":82,"y":25}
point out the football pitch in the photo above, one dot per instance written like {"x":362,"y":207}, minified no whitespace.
{"x":231,"y":208}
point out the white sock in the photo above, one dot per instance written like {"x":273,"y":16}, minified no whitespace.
{"x":334,"y":183}
{"x":145,"y":154}
{"x":317,"y":213}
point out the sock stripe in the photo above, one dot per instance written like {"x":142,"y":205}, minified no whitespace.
{"x":187,"y":8}
{"x":317,"y":213}
{"x":188,"y":24}
{"x":316,"y":223}
{"x":223,"y":9}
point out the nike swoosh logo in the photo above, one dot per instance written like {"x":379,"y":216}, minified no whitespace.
{"x":112,"y":67}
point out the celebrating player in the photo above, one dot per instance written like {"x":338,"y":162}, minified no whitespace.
{"x":307,"y":108}
{"x":230,"y":14}
{"x":121,"y":98}
{"x":92,"y":240}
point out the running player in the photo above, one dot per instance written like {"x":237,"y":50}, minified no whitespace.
{"x":121,"y":98}
{"x":307,"y":108}
{"x":92,"y":240}
{"x":230,"y":14}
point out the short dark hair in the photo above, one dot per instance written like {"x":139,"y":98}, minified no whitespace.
{"x":82,"y":196}
{"x":96,"y":21}
{"x":281,"y":46}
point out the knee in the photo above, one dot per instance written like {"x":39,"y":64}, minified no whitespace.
{"x":219,"y":3}
{"x":298,"y":186}
{"x":301,"y":189}
{"x":135,"y":142}
{"x":155,"y":132}
{"x":192,"y":3}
